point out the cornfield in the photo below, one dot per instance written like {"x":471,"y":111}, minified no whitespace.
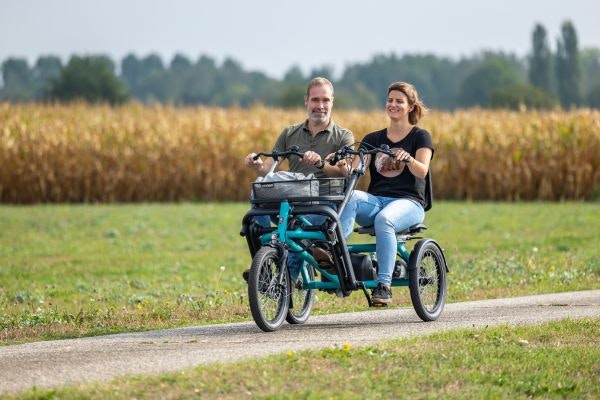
{"x":85,"y":153}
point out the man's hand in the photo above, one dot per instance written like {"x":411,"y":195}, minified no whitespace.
{"x":340,"y":163}
{"x":252,"y":163}
{"x":312,"y":158}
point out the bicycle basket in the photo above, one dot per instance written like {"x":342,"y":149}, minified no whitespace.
{"x":303,"y":188}
{"x":332,"y":186}
{"x":280,"y":190}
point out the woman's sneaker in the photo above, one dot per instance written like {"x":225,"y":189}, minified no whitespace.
{"x":381,"y":294}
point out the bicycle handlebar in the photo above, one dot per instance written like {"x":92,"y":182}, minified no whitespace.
{"x":342,"y":153}
{"x":361,"y":152}
{"x":294,"y":150}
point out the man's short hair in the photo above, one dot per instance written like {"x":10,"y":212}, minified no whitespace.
{"x":319,"y":81}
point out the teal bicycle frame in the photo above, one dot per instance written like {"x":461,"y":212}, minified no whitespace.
{"x":291,"y":239}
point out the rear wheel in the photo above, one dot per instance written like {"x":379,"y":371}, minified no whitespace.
{"x":268,"y":289}
{"x":427,"y":279}
{"x":302,"y":299}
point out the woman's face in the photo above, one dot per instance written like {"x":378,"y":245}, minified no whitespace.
{"x":397,"y":106}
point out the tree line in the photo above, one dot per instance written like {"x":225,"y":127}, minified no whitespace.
{"x":566,"y":76}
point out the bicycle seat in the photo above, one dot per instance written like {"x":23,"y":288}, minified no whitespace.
{"x":370,"y":230}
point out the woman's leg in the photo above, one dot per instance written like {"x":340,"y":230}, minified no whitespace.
{"x":362,"y":207}
{"x":397,"y":215}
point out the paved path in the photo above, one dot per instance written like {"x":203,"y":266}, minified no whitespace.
{"x":63,"y":362}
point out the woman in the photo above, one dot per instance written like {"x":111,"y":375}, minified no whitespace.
{"x":395,"y":198}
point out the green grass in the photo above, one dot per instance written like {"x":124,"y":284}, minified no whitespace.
{"x":76,"y":270}
{"x":552,"y":361}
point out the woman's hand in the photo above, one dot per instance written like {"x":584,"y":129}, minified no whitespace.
{"x":400,"y":156}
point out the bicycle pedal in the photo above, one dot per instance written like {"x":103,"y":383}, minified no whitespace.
{"x":379,"y":305}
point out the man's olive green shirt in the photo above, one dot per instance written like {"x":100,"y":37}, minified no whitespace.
{"x":323,"y":143}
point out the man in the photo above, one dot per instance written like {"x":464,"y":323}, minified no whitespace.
{"x":316,"y":137}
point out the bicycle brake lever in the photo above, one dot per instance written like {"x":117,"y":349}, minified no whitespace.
{"x":337,"y":156}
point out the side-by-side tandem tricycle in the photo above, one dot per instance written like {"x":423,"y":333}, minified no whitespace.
{"x":276,"y":294}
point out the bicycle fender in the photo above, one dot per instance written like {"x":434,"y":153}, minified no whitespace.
{"x":412,"y":262}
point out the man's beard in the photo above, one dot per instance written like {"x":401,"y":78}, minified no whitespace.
{"x":319,"y":117}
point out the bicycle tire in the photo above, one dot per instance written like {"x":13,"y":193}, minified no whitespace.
{"x":302,"y":299}
{"x":427,"y":279}
{"x":268,"y":289}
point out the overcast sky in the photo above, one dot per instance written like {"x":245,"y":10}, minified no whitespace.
{"x":272,"y":35}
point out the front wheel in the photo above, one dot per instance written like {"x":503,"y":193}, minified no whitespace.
{"x":427,"y":279}
{"x":268,"y":289}
{"x":302,"y":300}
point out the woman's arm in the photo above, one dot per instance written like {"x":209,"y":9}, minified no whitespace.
{"x":418,"y":165}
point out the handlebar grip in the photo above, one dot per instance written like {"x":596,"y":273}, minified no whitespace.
{"x":275,"y":154}
{"x":262,"y":153}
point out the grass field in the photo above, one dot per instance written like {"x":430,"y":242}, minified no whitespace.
{"x":76,"y":270}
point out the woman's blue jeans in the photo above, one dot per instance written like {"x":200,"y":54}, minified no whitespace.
{"x":389,"y":215}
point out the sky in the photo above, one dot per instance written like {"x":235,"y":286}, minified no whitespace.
{"x":271,"y":36}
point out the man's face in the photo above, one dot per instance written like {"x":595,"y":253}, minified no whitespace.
{"x":319,"y":103}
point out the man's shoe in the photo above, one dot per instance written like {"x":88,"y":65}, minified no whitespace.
{"x":381,"y":294}
{"x":322,"y":256}
{"x":246,"y":274}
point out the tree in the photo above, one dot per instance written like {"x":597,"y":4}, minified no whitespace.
{"x":357,"y":97}
{"x":17,"y":79}
{"x":521,"y":95}
{"x":292,"y":96}
{"x":146,"y":78}
{"x":294,"y":76}
{"x":568,"y":69}
{"x":493,"y":73}
{"x":180,"y":76}
{"x":436,"y":79}
{"x":180,"y":63}
{"x":201,"y":88}
{"x":230,"y":87}
{"x":593,"y":97}
{"x":540,"y":62}
{"x":590,"y":63}
{"x":46,"y":69}
{"x":89,"y":78}
{"x":325,"y":71}
{"x":131,"y":68}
